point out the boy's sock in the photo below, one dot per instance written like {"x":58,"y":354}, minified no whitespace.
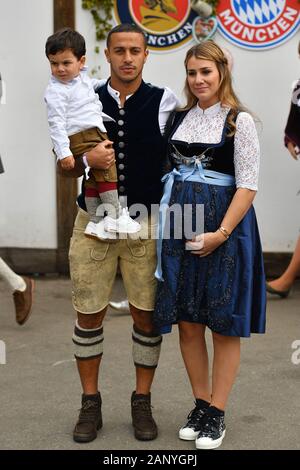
{"x":110,"y":198}
{"x":92,"y":202}
{"x":14,"y":281}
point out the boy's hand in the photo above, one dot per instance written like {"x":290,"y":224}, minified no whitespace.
{"x":68,"y":163}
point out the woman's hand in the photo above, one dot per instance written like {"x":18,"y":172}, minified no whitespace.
{"x":204,"y":244}
{"x":292,"y":149}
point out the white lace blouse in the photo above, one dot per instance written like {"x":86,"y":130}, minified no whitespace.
{"x":207,"y":126}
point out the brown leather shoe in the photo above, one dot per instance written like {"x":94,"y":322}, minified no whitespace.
{"x":90,"y":418}
{"x":145,"y":428}
{"x":23,"y":301}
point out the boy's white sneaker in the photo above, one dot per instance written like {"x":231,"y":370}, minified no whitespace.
{"x":124,"y":224}
{"x":94,"y":230}
{"x":102,"y":234}
{"x":91,"y":230}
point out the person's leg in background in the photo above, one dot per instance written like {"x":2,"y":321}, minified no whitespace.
{"x":282,"y":285}
{"x":21,"y":288}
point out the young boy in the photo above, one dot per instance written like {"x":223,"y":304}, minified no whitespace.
{"x":76,"y":126}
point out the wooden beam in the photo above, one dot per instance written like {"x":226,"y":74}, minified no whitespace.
{"x":66,"y":188}
{"x":30,"y":260}
{"x":64,"y":14}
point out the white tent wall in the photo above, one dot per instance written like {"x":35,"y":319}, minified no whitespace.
{"x":27,"y":188}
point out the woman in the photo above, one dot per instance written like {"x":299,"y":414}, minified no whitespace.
{"x":282,"y":285}
{"x":216,"y":279}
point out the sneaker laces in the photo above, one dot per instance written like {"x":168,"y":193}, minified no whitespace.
{"x":210,"y":425}
{"x":194,"y":417}
{"x":88,"y":411}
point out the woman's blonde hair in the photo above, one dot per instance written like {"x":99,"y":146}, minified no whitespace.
{"x":209,"y":50}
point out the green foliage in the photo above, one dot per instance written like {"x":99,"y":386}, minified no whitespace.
{"x":101,"y":11}
{"x":214,"y":4}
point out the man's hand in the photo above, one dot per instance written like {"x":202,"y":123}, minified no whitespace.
{"x":292,"y":149}
{"x":102,"y":156}
{"x":68,"y":163}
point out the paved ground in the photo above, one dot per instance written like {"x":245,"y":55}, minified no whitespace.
{"x":40,"y":390}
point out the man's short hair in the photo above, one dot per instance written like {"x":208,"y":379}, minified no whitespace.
{"x":63,"y":39}
{"x":126,"y":28}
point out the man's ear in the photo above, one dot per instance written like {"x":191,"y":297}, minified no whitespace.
{"x":106,"y":52}
{"x":146,"y":55}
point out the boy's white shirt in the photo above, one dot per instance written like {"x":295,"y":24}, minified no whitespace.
{"x":73,"y":107}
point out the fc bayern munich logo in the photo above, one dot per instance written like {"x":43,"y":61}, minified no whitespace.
{"x":258,"y":24}
{"x":166,"y":23}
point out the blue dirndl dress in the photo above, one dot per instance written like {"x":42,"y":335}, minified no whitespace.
{"x":224,"y":290}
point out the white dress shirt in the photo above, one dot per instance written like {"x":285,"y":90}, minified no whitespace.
{"x":168,"y":102}
{"x":207,"y":126}
{"x":72,"y":107}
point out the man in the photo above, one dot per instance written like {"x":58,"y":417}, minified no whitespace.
{"x":140,"y":112}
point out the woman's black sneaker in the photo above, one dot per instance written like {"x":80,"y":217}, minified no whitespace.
{"x":191,"y":429}
{"x":212,"y":430}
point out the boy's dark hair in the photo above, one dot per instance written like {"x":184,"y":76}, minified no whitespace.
{"x":63,"y":39}
{"x":126,"y":28}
